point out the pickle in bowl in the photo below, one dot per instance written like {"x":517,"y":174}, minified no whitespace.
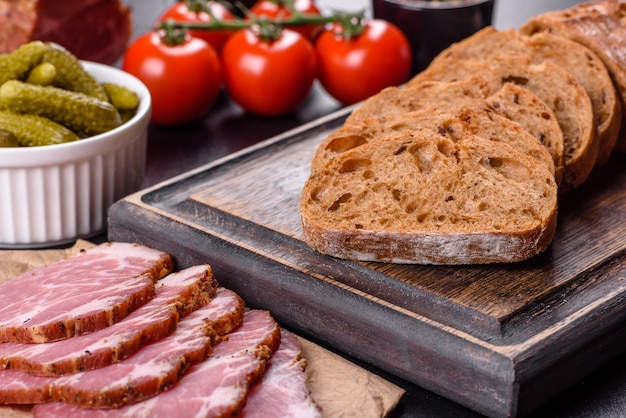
{"x":43,"y":80}
{"x":54,"y":194}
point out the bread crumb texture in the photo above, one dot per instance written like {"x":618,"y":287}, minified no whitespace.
{"x":409,"y":188}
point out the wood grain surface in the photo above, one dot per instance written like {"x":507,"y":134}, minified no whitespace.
{"x":500,"y":339}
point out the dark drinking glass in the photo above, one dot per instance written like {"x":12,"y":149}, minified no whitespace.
{"x":235,"y":6}
{"x":431,"y":26}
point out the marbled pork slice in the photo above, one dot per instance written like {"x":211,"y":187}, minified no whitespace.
{"x":282,"y":391}
{"x":152,"y":369}
{"x":83,"y":293}
{"x":176,"y":295}
{"x":216,"y":387}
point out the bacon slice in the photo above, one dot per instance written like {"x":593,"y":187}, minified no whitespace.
{"x":80,"y":294}
{"x":215,"y":387}
{"x":176,"y":295}
{"x":152,"y":369}
{"x":282,"y":391}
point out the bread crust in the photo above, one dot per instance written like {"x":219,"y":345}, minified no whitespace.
{"x":434,"y":249}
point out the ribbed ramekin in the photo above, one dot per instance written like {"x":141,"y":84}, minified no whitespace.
{"x":52,"y":195}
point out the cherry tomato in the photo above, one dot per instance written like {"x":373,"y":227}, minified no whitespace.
{"x":279,"y":9}
{"x":269,"y":78}
{"x":356,"y":68}
{"x":188,"y":12}
{"x":184,"y":79}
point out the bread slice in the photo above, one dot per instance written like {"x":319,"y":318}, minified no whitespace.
{"x":415,"y":198}
{"x":520,"y":105}
{"x":552,"y":84}
{"x":392,"y":100}
{"x":511,"y":101}
{"x":600,"y":27}
{"x":579,"y":60}
{"x":446,"y":122}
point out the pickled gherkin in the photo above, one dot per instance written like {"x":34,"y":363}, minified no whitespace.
{"x":71,"y":75}
{"x":124,"y":99}
{"x":121,"y":97}
{"x":15,"y":65}
{"x":83,"y":114}
{"x":8,"y":140}
{"x":32,"y":130}
{"x":43,"y":74}
{"x":48,"y":97}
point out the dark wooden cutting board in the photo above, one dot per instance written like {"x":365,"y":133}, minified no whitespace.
{"x":500,"y":339}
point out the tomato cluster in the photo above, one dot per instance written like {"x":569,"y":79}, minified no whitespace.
{"x":266,"y":66}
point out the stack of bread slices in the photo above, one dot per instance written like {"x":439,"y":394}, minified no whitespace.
{"x":465,"y":163}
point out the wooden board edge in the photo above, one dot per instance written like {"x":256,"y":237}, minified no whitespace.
{"x":420,"y":351}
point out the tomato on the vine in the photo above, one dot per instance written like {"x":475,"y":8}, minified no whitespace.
{"x":354,"y":68}
{"x":268,"y":77}
{"x":279,"y":9}
{"x":184,"y":79}
{"x":194,"y":11}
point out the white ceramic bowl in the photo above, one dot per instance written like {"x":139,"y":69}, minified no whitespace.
{"x":52,"y":195}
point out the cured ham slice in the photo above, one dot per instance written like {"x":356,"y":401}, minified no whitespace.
{"x":282,"y":391}
{"x":176,"y":295}
{"x":152,"y":369}
{"x":80,"y":294}
{"x":215,"y":387}
{"x":93,"y":30}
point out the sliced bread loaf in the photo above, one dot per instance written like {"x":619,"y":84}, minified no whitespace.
{"x":419,"y":198}
{"x":447,"y":122}
{"x":579,"y":60}
{"x":511,"y":101}
{"x":551,"y":83}
{"x":600,"y":27}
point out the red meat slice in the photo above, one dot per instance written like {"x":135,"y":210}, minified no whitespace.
{"x":282,"y":391}
{"x":152,"y":369}
{"x":93,"y":30}
{"x":80,"y":294}
{"x":215,"y":387}
{"x":176,"y":295}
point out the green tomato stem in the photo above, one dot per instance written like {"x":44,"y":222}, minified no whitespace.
{"x":352,"y":23}
{"x":172,"y":34}
{"x":197,"y":6}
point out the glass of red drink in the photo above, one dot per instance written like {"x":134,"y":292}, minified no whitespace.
{"x":432,"y":25}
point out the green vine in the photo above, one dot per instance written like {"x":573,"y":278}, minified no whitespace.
{"x":268,"y":29}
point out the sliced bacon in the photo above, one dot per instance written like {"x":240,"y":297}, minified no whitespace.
{"x":282,"y":391}
{"x":152,"y":369}
{"x":214,"y":387}
{"x":80,"y":294}
{"x":176,"y":295}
